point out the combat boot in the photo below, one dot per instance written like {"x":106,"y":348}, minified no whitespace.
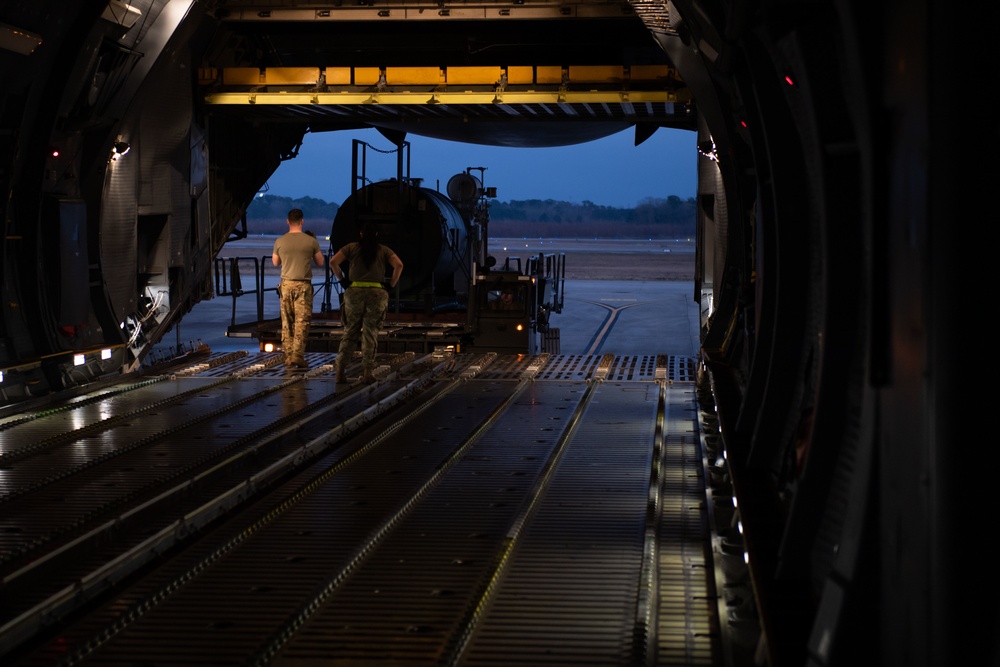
{"x":368,"y":377}
{"x":341,"y":377}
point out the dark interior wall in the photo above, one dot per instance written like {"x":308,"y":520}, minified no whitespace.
{"x":39,"y":165}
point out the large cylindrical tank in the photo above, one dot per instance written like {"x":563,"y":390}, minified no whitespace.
{"x":422,"y":226}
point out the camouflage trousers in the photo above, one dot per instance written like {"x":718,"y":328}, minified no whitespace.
{"x":363,"y":314}
{"x":296,"y":315}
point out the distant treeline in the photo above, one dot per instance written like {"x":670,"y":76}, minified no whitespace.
{"x":267,"y":214}
{"x":672,"y":217}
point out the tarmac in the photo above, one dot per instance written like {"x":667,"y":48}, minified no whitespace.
{"x":598,"y":317}
{"x":629,"y":318}
{"x":624,"y":317}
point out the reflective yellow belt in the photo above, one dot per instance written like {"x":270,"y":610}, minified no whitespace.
{"x":362,"y":283}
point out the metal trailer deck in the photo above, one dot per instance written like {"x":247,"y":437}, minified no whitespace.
{"x":464,"y":510}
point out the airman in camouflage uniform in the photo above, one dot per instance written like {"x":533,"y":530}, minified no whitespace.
{"x":295,"y":252}
{"x":366,"y":299}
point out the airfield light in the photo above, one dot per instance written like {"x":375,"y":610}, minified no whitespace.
{"x":520,"y":327}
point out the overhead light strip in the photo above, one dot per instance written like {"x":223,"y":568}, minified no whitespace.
{"x":507,"y":9}
{"x":455,"y":98}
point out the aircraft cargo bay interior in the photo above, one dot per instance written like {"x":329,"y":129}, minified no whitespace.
{"x":781,"y":479}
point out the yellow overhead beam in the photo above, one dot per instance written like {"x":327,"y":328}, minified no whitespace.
{"x":446,"y":97}
{"x":407,"y":10}
{"x":622,"y":76}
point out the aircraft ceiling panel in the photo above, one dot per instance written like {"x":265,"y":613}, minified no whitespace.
{"x":386,"y":35}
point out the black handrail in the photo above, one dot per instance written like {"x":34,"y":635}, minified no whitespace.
{"x":229,"y":282}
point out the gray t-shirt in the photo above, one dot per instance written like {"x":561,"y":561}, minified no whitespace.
{"x":296,"y":251}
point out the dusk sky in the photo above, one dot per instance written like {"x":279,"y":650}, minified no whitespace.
{"x":610,"y":172}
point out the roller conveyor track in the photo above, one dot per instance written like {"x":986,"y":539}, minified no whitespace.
{"x":100,"y":476}
{"x":513,"y":510}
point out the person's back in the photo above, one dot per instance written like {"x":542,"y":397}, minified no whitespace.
{"x":366,"y":299}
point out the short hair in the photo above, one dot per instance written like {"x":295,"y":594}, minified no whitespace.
{"x":295,"y":215}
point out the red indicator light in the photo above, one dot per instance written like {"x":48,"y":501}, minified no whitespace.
{"x":789,"y":80}
{"x":744,"y":123}
{"x":54,"y":152}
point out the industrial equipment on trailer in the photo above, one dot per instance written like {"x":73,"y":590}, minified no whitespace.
{"x":453,"y":292}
